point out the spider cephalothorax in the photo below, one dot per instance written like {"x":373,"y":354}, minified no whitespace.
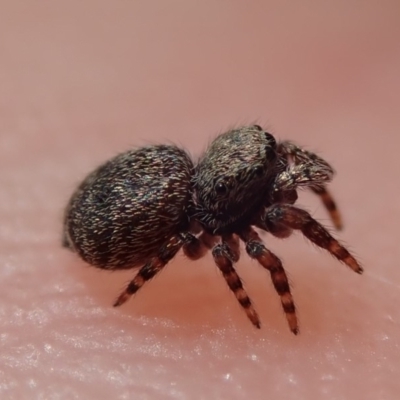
{"x":233,"y":178}
{"x":144,"y":205}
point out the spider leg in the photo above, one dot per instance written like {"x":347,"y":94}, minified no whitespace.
{"x":208,"y":239}
{"x":302,"y":156}
{"x":194,"y":248}
{"x":234,"y":246}
{"x":257,"y":250}
{"x":151,"y":268}
{"x":302,"y":175}
{"x":296,"y":218}
{"x":275,"y":228}
{"x":197,"y":247}
{"x":223,"y":258}
{"x":330,"y":205}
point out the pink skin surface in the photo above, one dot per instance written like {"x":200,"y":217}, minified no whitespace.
{"x":83,"y":80}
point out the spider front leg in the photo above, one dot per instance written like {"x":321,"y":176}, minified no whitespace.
{"x":330,"y":205}
{"x":300,"y":156}
{"x":296,"y":218}
{"x":223,"y":258}
{"x":308,"y":173}
{"x":257,"y":250}
{"x":151,"y":268}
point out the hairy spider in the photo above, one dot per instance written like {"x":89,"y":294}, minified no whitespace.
{"x":143,"y":206}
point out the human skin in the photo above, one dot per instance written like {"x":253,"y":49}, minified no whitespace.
{"x":82,"y":81}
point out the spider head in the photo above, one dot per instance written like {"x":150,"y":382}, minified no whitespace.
{"x":233,"y":177}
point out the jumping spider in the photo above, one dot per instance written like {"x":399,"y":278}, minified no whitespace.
{"x":141,"y":207}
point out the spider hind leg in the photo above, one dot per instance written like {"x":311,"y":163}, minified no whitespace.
{"x":151,"y":268}
{"x":330,"y":205}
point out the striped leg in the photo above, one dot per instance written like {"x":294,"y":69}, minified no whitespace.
{"x":151,"y":268}
{"x":307,"y":168}
{"x":234,"y":246}
{"x":330,"y":205}
{"x":302,"y":174}
{"x":295,"y":218}
{"x":222,"y":257}
{"x":256,"y":249}
{"x":197,"y":247}
{"x":299,"y":155}
{"x":194,"y":248}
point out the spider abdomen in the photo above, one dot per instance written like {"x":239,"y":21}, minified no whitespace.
{"x":128,"y":208}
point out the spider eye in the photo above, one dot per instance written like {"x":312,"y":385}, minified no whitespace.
{"x":259,"y":170}
{"x":221,"y":188}
{"x":258,"y":127}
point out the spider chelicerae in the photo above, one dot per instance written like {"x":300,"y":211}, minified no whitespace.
{"x":141,"y":207}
